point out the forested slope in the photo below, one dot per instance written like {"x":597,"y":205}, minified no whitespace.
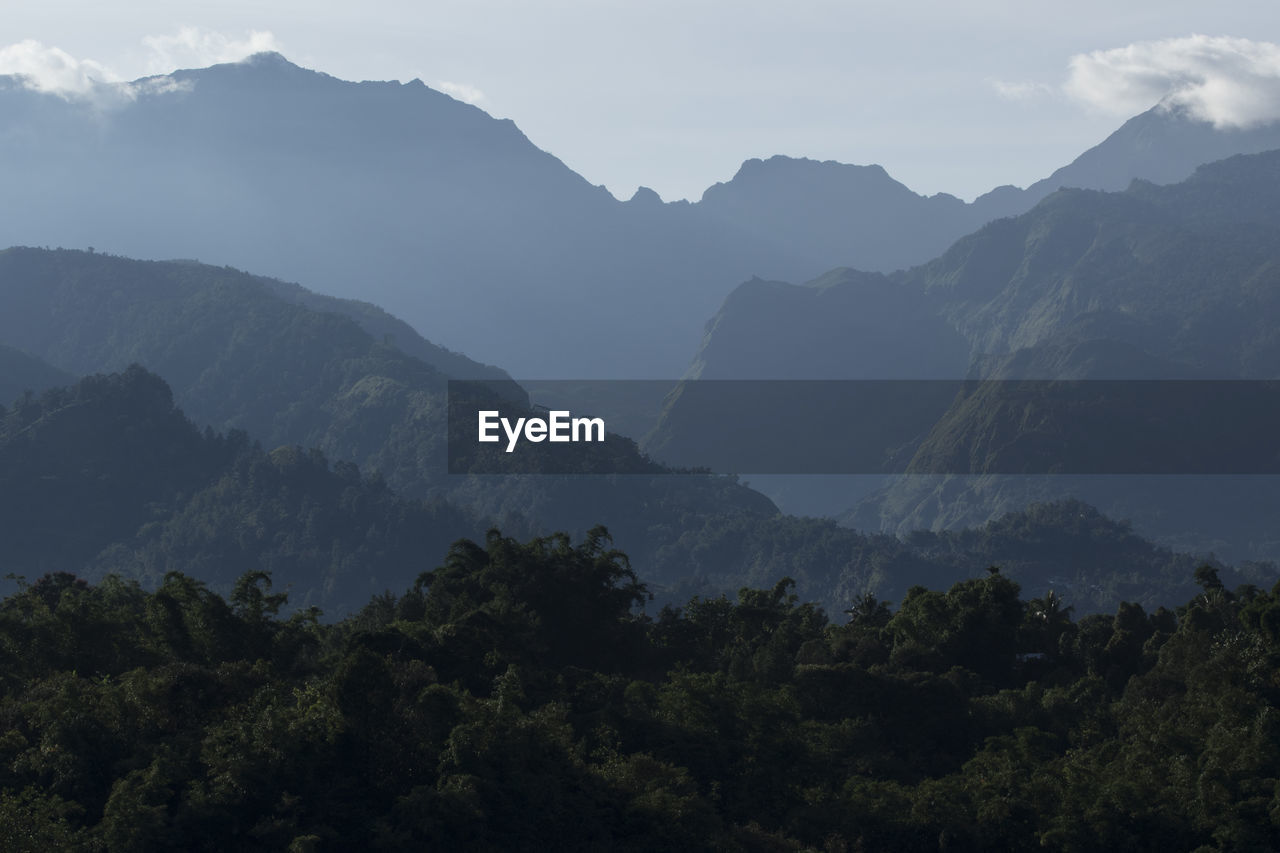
{"x":515,"y":698}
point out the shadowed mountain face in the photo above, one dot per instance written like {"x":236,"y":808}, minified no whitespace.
{"x":247,"y":353}
{"x":454,"y":221}
{"x":1185,"y":273}
{"x":1157,"y":282}
{"x":21,"y":372}
{"x":109,"y":476}
{"x":856,"y":325}
{"x":1160,"y":281}
{"x":832,"y":214}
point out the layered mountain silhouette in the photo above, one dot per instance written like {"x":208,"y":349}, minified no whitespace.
{"x":21,"y":372}
{"x":388,"y":193}
{"x":107,"y":475}
{"x":290,"y":368}
{"x":1156,"y":282}
{"x":428,"y":222}
{"x":110,"y":474}
{"x":456,"y":223}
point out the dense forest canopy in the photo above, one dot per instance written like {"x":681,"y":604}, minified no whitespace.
{"x":526,"y":696}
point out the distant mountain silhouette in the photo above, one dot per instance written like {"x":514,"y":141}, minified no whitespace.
{"x":388,"y":193}
{"x":833,"y":214}
{"x":457,"y":223}
{"x":1177,"y":274}
{"x":1162,"y":145}
{"x":844,"y":325}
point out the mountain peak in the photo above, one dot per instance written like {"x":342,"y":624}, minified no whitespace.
{"x":645,"y":197}
{"x":267,"y":58}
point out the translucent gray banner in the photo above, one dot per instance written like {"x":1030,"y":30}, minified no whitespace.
{"x":869,"y":427}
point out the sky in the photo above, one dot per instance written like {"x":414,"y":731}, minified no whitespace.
{"x":948,"y":97}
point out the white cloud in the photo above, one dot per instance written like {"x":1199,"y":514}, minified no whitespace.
{"x":1231,"y":82}
{"x":193,"y":47}
{"x":52,"y":70}
{"x":461,"y":91}
{"x":1021,"y":91}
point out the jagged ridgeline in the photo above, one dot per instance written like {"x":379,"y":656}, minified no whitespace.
{"x":1172,"y":282}
{"x":456,"y":222}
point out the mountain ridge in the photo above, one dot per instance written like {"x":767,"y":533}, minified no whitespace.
{"x":446,"y":217}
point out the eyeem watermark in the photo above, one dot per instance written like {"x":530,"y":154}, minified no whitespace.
{"x":927,"y":426}
{"x":559,"y":426}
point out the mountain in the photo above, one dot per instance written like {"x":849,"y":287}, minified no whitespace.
{"x":834,"y":214}
{"x":114,"y":473}
{"x":1163,"y":145}
{"x":108,"y":475}
{"x":388,"y":193}
{"x":242,"y":352}
{"x":21,"y":372}
{"x":1155,"y":282}
{"x":238,"y":354}
{"x":1184,"y":272}
{"x":856,"y":325}
{"x":1179,"y":278}
{"x":1173,"y":282}
{"x":457,"y":223}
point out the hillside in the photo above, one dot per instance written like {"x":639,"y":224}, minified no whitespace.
{"x":21,"y":372}
{"x":1156,"y":282}
{"x":240,"y":356}
{"x":109,"y":476}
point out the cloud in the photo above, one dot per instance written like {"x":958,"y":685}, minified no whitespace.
{"x":193,"y":47}
{"x":1231,"y":82}
{"x":1021,"y":91}
{"x":53,"y":71}
{"x":461,"y":91}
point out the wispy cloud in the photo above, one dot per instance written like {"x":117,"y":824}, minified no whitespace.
{"x":1231,"y":82}
{"x":53,"y":70}
{"x":1022,"y":91}
{"x":461,"y":91}
{"x":193,"y":47}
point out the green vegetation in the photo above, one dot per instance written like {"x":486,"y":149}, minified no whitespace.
{"x":519,"y":697}
{"x":288,"y":367}
{"x":109,"y":476}
{"x":1066,"y":547}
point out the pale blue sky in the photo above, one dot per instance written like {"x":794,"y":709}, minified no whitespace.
{"x":674,"y":95}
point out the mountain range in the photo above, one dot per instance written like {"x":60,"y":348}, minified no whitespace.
{"x":424,"y":220}
{"x":458,"y":224}
{"x":1155,"y":282}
